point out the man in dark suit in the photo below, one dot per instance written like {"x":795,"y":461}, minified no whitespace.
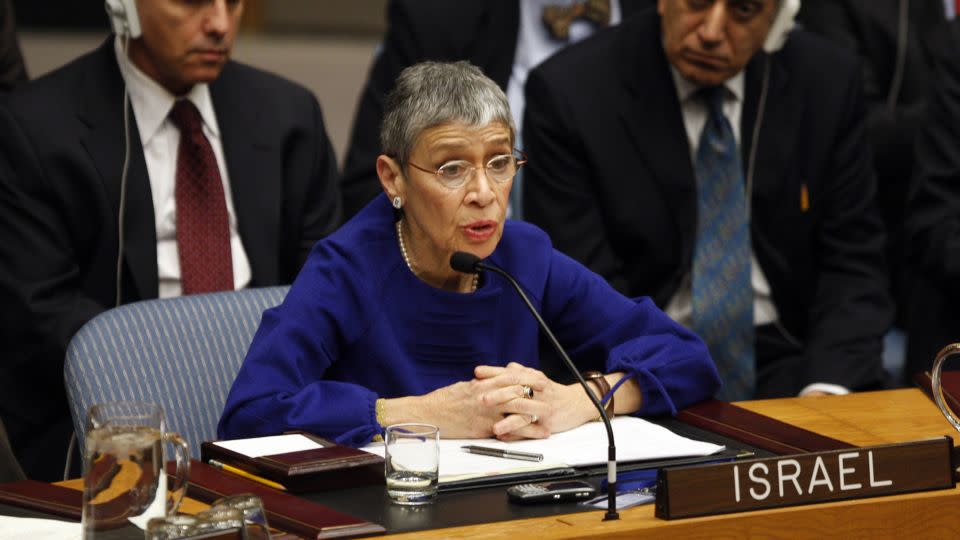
{"x":933,"y":217}
{"x":612,"y":132}
{"x":12,"y":70}
{"x":486,"y":33}
{"x":895,"y":42}
{"x":247,"y":171}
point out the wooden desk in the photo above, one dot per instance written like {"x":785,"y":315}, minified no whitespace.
{"x":861,"y":419}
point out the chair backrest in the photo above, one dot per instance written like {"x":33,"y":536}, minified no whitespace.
{"x":181,"y":353}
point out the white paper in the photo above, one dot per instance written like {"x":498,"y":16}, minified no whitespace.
{"x":17,"y":528}
{"x":636,"y":440}
{"x":268,"y":446}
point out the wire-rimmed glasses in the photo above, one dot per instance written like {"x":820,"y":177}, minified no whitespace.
{"x":454,"y":174}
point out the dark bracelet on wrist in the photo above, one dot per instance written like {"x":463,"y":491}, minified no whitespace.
{"x":604,"y":386}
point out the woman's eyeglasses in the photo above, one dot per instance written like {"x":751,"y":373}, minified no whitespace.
{"x":454,"y":174}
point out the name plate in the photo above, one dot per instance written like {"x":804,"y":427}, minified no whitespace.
{"x":871,"y":471}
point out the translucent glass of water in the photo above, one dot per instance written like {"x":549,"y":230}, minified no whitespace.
{"x":255,"y":525}
{"x":412,"y":460}
{"x":170,"y":527}
{"x":124,"y":477}
{"x":219,"y":518}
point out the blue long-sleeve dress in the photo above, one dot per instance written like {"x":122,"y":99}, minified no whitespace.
{"x":357,"y":325}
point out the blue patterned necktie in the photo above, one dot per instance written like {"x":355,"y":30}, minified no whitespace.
{"x":722,"y":293}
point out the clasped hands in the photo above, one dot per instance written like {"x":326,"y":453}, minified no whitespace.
{"x":496,"y":404}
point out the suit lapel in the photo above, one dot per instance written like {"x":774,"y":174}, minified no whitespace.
{"x":653,"y":121}
{"x":255,"y":170}
{"x":104,"y":142}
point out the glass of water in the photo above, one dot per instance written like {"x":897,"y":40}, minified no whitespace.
{"x":412,"y":460}
{"x":124,"y":477}
{"x":255,"y":525}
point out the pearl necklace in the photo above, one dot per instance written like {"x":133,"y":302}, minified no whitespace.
{"x":406,"y":259}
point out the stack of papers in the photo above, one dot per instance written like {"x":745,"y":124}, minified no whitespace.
{"x":636,"y":440}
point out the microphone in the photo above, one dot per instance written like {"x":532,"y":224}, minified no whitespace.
{"x":468,"y":263}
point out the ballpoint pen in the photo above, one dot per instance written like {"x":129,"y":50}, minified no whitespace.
{"x":502,"y":453}
{"x":249,"y":476}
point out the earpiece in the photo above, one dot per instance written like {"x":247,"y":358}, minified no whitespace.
{"x":123,"y":17}
{"x":126,"y":24}
{"x":782,"y":25}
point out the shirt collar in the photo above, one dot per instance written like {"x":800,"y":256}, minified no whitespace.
{"x":152,"y":103}
{"x":686,"y":89}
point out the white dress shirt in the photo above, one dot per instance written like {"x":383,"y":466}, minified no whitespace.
{"x":695,"y":113}
{"x":950,"y":8}
{"x":151,"y":105}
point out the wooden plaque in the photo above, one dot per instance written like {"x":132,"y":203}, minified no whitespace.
{"x":871,"y":471}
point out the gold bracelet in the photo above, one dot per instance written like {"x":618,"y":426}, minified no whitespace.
{"x":378,"y":411}
{"x":604,"y":386}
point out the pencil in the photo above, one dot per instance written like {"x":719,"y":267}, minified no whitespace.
{"x":249,"y":476}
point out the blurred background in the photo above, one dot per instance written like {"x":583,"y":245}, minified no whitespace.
{"x":325,"y":45}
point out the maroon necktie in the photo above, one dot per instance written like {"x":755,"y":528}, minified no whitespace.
{"x":203,"y":226}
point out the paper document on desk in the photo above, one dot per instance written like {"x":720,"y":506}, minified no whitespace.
{"x":636,"y":439}
{"x":269,"y":446}
{"x":38,"y":529}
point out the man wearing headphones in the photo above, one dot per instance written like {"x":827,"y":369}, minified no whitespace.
{"x":683,"y":156}
{"x":223,"y":178}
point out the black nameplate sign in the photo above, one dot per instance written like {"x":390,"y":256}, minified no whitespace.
{"x":854,"y":473}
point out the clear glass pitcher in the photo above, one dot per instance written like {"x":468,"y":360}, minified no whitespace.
{"x":124,"y":476}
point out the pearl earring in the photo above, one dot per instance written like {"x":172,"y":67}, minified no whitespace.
{"x":397,"y":202}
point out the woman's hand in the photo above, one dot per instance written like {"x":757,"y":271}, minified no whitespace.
{"x":494,"y":405}
{"x":458,"y":410}
{"x":553,"y":408}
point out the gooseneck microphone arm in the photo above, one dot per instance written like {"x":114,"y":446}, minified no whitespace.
{"x":471,"y":264}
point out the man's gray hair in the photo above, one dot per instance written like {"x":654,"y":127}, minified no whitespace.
{"x":429,"y":94}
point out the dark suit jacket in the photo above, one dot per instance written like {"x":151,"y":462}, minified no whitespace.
{"x":483,"y":32}
{"x":12,"y":70}
{"x":611,"y":180}
{"x":933,"y":221}
{"x":61,"y":155}
{"x":871,"y":29}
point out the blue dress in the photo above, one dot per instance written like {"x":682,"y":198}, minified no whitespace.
{"x":357,"y":325}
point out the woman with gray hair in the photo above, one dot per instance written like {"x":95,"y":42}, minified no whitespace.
{"x":378,"y":329}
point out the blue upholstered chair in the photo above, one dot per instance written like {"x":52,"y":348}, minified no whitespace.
{"x":181,"y":353}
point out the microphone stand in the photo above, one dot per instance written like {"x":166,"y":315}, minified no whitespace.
{"x":612,"y":513}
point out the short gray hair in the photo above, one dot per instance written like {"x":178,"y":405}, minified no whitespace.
{"x":432,"y":93}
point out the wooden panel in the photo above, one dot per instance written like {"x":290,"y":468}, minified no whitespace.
{"x":923,"y":515}
{"x":252,"y":15}
{"x":353,"y":17}
{"x":865,"y":418}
